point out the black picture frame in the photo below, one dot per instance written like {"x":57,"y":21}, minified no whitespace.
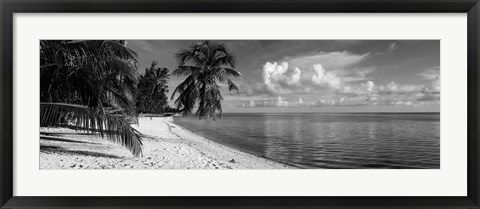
{"x":9,"y":7}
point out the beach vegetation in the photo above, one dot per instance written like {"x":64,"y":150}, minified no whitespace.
{"x":152,"y":90}
{"x":90,"y":85}
{"x":205,"y":64}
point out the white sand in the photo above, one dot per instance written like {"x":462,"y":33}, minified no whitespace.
{"x":167,"y":146}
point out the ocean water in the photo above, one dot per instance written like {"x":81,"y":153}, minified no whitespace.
{"x":344,"y":140}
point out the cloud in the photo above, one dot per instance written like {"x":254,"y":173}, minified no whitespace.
{"x":344,"y":84}
{"x":373,"y":100}
{"x":326,"y":79}
{"x":320,"y":80}
{"x":277,"y":102}
{"x":300,"y":101}
{"x":395,"y":88}
{"x":433,"y":87}
{"x":251,"y":88}
{"x":278,"y":79}
{"x":392,"y":88}
{"x":348,"y":100}
{"x":358,"y":94}
{"x":392,"y":47}
{"x":358,"y":74}
{"x":277,"y":76}
{"x":369,"y":85}
{"x":429,"y":97}
{"x":393,"y":93}
{"x":335,"y":60}
{"x":321,"y":70}
{"x":294,"y":78}
{"x":430,"y":73}
{"x":433,"y":74}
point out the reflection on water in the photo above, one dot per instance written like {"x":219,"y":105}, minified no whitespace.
{"x":401,"y":140}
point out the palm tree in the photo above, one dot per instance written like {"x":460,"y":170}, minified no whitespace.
{"x":204,"y":63}
{"x":152,"y":89}
{"x":159,"y":77}
{"x":90,"y":86}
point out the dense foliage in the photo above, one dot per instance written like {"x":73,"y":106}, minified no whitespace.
{"x":152,"y":90}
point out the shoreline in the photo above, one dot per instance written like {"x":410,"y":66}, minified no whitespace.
{"x":227,"y":147}
{"x":166,"y":145}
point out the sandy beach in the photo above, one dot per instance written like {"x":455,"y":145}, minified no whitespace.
{"x":166,"y":146}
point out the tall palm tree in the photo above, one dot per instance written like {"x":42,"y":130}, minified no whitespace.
{"x":204,"y":63}
{"x":153,"y":89}
{"x":159,"y":78}
{"x":90,"y":85}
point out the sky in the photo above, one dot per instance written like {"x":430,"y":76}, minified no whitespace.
{"x":319,"y":75}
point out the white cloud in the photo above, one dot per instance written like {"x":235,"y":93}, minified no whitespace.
{"x":294,"y":78}
{"x":433,"y":87}
{"x":330,"y":60}
{"x":325,"y":78}
{"x":281,"y":102}
{"x":321,"y":86}
{"x":276,"y":76}
{"x":431,"y":73}
{"x":358,"y":74}
{"x":279,"y":79}
{"x":338,"y":93}
{"x":277,"y":102}
{"x":370,"y":85}
{"x":324,"y":70}
{"x":395,"y":88}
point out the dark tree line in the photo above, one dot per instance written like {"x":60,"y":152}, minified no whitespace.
{"x":152,"y":91}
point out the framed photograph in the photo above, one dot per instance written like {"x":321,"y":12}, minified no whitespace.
{"x":264,"y":104}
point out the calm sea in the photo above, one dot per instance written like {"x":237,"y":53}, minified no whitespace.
{"x":311,"y":140}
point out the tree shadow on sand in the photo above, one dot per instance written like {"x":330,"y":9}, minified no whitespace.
{"x":58,"y":139}
{"x":62,"y":151}
{"x":64,"y":133}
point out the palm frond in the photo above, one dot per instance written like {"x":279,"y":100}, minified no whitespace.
{"x":88,"y":72}
{"x":183,"y":70}
{"x":186,"y":56}
{"x":190,"y":80}
{"x":232,"y":85}
{"x":225,"y":71}
{"x":226,"y":60}
{"x":119,"y":67}
{"x":188,"y":97}
{"x":114,"y":127}
{"x":121,"y":101}
{"x":120,"y":50}
{"x":232,"y":72}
